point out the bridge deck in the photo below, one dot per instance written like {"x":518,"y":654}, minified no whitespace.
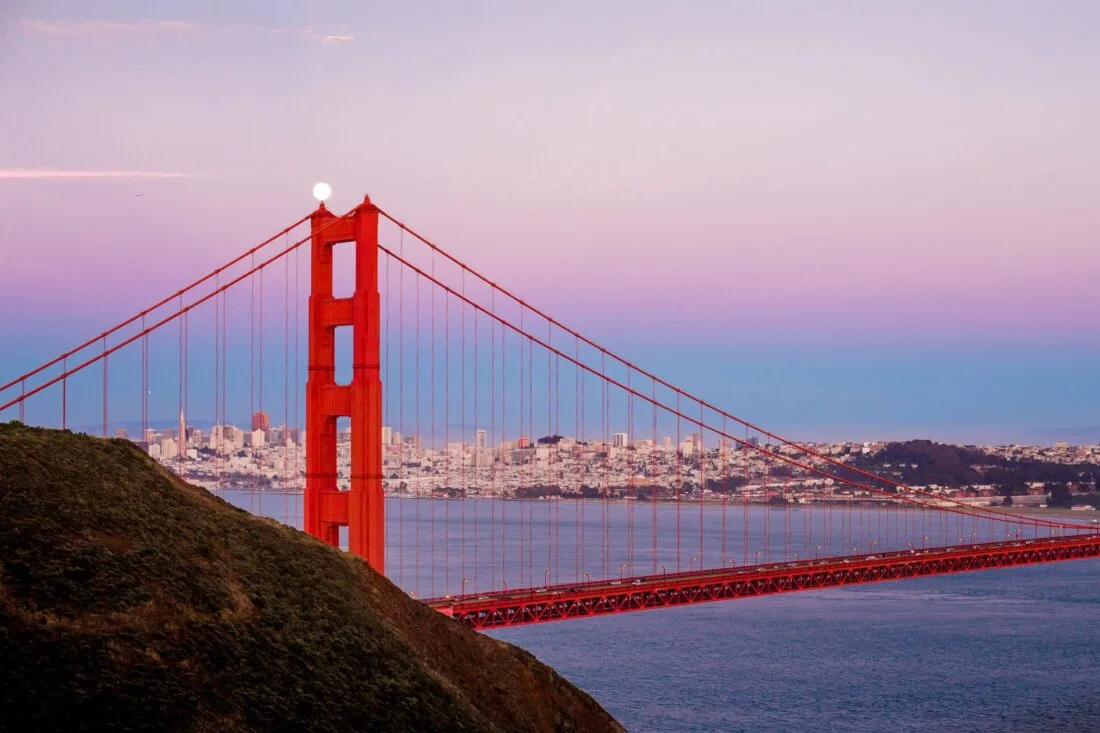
{"x":554,"y":603}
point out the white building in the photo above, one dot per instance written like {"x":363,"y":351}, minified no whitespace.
{"x":169,"y":448}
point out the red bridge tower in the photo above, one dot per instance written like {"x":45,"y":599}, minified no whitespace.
{"x":327,"y":508}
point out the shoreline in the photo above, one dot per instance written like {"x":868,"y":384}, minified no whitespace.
{"x":1059,"y":512}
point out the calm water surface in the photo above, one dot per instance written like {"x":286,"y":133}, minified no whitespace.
{"x":1000,"y":650}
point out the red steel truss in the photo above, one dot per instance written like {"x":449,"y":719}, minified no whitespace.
{"x":555,"y":603}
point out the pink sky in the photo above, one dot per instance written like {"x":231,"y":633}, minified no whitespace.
{"x":921,"y":161}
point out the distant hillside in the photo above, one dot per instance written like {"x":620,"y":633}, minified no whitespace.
{"x":130,"y":600}
{"x":922,"y":462}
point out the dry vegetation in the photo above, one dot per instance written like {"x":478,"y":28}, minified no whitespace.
{"x":130,"y":600}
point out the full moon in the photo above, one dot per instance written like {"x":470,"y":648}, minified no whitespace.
{"x":321,"y":191}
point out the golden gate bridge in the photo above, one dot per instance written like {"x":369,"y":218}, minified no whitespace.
{"x":493,"y":461}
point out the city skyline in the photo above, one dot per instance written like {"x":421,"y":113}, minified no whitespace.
{"x":481,"y":439}
{"x":616,"y":466}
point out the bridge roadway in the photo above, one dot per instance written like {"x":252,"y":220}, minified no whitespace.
{"x":579,"y":600}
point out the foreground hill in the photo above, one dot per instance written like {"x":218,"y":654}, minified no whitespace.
{"x":130,"y":600}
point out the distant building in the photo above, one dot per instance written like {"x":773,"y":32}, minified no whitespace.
{"x":620,"y":440}
{"x":169,"y":448}
{"x":481,"y":440}
{"x":281,"y":435}
{"x":121,"y":433}
{"x":233,"y":437}
{"x":260,"y":421}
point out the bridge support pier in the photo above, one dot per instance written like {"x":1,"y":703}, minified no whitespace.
{"x":327,"y":508}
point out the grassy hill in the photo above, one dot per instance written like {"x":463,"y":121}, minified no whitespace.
{"x":130,"y":600}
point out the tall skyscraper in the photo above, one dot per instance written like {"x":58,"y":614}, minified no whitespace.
{"x":260,"y":421}
{"x":481,"y":440}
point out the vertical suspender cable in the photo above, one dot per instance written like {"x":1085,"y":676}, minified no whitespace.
{"x":477,"y":455}
{"x":104,"y":386}
{"x":418,"y":445}
{"x":462,"y":427}
{"x":434,"y":485}
{"x":286,"y":385}
{"x":402,"y":484}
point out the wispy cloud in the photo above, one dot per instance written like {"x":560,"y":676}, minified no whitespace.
{"x":66,"y":29}
{"x":63,"y":30}
{"x":47,"y":174}
{"x":338,"y":39}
